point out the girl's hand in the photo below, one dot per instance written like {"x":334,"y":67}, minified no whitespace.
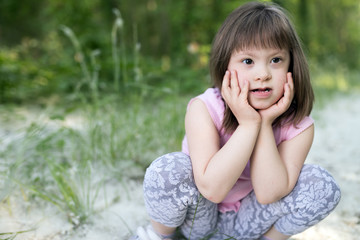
{"x":236,"y":98}
{"x":270,"y":114}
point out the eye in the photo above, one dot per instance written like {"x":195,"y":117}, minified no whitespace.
{"x":247,"y":61}
{"x":276,"y":60}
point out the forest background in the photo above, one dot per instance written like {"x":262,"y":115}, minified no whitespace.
{"x":160,"y":43}
{"x":92,"y":91}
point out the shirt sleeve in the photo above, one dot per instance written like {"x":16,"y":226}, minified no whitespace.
{"x":291,"y":131}
{"x":215,"y":106}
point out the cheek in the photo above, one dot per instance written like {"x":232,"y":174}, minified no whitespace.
{"x":231,"y":64}
{"x":233,"y":67}
{"x":281,"y":93}
{"x":280,"y":84}
{"x":282,"y":79}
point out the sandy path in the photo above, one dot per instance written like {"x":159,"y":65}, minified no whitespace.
{"x":336,"y":147}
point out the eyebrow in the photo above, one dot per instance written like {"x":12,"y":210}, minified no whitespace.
{"x":249,"y":52}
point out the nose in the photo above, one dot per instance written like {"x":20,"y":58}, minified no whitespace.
{"x":263,"y":73}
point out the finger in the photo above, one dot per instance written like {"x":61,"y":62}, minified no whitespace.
{"x":244,"y":90}
{"x":285,"y":101}
{"x":289,"y":78}
{"x":287,"y":91}
{"x":290,"y":81}
{"x":234,"y":83}
{"x":226,"y":82}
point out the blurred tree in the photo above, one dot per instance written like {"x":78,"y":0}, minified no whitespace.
{"x":303,"y":13}
{"x":175,"y":36}
{"x":335,"y":32}
{"x":19,"y":20}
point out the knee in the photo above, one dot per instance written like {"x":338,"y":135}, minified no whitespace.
{"x":168,"y":171}
{"x":314,"y":197}
{"x":319,"y":191}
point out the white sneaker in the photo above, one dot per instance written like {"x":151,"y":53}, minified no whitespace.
{"x":147,"y":234}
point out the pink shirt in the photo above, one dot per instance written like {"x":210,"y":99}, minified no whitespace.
{"x":215,"y":105}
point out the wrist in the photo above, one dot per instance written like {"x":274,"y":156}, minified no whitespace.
{"x":249,"y":129}
{"x":267,"y":120}
{"x":252,"y":122}
{"x":254,"y":125}
{"x":266,"y":123}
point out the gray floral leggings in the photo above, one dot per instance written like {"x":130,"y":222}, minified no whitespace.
{"x":172,"y":198}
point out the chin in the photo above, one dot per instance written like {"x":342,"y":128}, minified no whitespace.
{"x":261,"y":106}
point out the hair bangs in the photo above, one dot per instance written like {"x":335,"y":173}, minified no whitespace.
{"x":263,"y":29}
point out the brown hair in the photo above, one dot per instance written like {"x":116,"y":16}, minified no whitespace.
{"x":262,"y":25}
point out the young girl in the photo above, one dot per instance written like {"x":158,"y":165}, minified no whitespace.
{"x":241,"y":172}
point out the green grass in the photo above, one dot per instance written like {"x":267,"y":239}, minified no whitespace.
{"x":56,"y":162}
{"x":68,"y":167}
{"x":12,"y":235}
{"x":115,"y":138}
{"x":67,"y":154}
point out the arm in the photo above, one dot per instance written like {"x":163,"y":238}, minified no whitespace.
{"x":216,"y":170}
{"x":275,"y":169}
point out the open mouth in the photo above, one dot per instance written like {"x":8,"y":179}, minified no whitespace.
{"x":261,"y":90}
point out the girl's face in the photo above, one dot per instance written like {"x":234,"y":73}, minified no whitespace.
{"x":265,"y":69}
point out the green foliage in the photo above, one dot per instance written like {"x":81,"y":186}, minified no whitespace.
{"x":64,"y":164}
{"x":26,"y":72}
{"x":149,"y":44}
{"x":12,"y":235}
{"x":128,"y":77}
{"x":89,"y":78}
{"x":19,"y":76}
{"x":42,"y":167}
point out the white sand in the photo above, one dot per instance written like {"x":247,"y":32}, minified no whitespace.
{"x":336,"y":147}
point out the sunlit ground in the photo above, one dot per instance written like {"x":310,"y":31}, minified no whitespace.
{"x":119,"y":207}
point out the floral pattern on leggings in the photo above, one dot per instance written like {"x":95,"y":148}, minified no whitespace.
{"x":172,"y":198}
